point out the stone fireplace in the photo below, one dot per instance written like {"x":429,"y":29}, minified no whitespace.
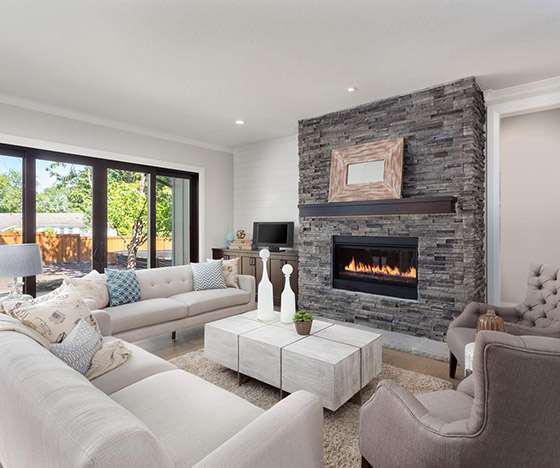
{"x":404,"y":269}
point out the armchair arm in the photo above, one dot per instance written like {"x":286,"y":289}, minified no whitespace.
{"x":288,"y":434}
{"x":394,"y":415}
{"x":469,"y":317}
{"x":103,"y":320}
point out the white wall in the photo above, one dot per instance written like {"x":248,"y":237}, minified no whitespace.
{"x":47,"y":131}
{"x":266,"y":183}
{"x":530,"y":197}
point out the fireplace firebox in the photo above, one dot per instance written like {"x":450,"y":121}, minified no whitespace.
{"x":387,"y":266}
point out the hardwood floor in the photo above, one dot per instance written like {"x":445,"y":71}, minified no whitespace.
{"x":192,"y":339}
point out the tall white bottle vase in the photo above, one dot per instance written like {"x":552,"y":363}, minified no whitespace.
{"x":288,"y":298}
{"x":265,"y":304}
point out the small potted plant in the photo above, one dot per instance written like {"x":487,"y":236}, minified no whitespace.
{"x":303,"y":321}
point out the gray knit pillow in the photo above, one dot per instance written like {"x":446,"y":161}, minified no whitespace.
{"x":209,"y":275}
{"x":79,"y":347}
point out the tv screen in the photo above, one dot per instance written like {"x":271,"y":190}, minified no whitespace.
{"x":274,"y":234}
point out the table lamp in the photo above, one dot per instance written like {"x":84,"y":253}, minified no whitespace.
{"x":17,"y":261}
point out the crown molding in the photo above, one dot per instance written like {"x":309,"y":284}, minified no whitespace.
{"x":92,"y":119}
{"x":536,"y":88}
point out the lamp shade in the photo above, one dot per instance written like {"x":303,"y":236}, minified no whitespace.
{"x":20,"y":260}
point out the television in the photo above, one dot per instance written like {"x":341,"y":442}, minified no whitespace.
{"x":273,"y":235}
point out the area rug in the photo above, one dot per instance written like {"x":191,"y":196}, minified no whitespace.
{"x":340,"y":427}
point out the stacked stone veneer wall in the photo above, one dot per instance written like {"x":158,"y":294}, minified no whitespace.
{"x":443,"y":130}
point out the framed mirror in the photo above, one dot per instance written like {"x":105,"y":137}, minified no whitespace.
{"x":367,"y":172}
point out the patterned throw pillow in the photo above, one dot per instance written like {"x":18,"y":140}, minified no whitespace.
{"x":54,"y":315}
{"x":209,"y":275}
{"x":231,"y":271}
{"x":123,"y":286}
{"x":93,"y":287}
{"x":79,"y":347}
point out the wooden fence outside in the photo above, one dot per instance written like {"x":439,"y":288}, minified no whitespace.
{"x":71,"y":248}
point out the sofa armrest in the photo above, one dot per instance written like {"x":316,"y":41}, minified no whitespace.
{"x":248,"y":283}
{"x":469,"y":317}
{"x":288,"y":434}
{"x":103,"y":320}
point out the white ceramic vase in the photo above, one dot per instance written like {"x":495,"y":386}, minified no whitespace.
{"x":265,"y":304}
{"x":288,"y":298}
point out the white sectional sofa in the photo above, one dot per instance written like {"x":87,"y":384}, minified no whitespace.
{"x":169,"y":303}
{"x":145,"y":413}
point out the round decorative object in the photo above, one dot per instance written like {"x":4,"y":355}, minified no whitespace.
{"x":240,"y":234}
{"x":303,"y":328}
{"x":490,"y":321}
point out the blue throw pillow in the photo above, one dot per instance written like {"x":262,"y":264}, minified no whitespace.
{"x":123,"y":286}
{"x":209,"y":275}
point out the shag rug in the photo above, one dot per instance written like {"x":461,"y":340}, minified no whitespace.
{"x":340,"y":428}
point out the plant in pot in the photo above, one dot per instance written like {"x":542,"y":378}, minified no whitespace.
{"x":303,"y":321}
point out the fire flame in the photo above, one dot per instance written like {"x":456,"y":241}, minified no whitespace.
{"x":381,"y":270}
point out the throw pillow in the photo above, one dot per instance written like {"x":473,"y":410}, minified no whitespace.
{"x":209,"y":275}
{"x":92,"y":287}
{"x":231,"y":272}
{"x":54,"y":315}
{"x":123,"y":286}
{"x":79,"y":347}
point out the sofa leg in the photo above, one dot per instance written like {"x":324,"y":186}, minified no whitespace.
{"x":365,"y":463}
{"x":174,"y":335}
{"x":452,"y":365}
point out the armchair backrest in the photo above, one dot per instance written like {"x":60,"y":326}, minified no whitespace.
{"x":517,"y":395}
{"x":541,"y":307}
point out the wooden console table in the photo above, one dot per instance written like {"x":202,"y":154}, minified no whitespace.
{"x":251,"y":264}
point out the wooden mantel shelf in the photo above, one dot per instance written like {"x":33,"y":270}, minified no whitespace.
{"x":399,"y":206}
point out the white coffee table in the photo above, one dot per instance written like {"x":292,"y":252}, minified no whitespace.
{"x":333,"y":362}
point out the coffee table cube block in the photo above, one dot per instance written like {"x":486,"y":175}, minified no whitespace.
{"x":260,"y":353}
{"x":221,"y":339}
{"x":369,"y":344}
{"x":328,"y":369}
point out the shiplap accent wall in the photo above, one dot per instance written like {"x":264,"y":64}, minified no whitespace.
{"x":265,"y":183}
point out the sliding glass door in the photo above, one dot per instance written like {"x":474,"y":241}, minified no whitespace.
{"x":63,"y":221}
{"x":88,"y":213}
{"x":11,"y":204}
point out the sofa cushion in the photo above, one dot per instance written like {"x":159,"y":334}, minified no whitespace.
{"x":123,"y":286}
{"x":145,"y":313}
{"x":165,"y":282}
{"x":92,"y":288}
{"x":199,"y":302}
{"x":191,"y":418}
{"x":52,"y":416}
{"x":139,"y":365}
{"x":448,"y":405}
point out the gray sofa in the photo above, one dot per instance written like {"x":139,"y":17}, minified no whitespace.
{"x":506,"y":414}
{"x":169,"y":303}
{"x":145,"y":413}
{"x":539,"y":314}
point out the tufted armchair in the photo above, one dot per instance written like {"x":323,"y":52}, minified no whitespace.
{"x":506,"y":414}
{"x":539,"y":314}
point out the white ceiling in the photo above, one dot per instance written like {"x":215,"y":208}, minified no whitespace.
{"x":193,"y":67}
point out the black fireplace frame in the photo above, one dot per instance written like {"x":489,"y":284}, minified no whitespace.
{"x":401,"y":290}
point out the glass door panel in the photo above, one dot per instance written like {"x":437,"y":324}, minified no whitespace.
{"x":127,"y":219}
{"x":64,"y":232}
{"x":11,"y":204}
{"x":172,"y":221}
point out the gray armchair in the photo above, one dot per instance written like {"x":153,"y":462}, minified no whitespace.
{"x":539,"y":314}
{"x":506,"y":414}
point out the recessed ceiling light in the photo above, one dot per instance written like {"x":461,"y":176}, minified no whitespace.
{"x":240,"y":122}
{"x":351,"y":89}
